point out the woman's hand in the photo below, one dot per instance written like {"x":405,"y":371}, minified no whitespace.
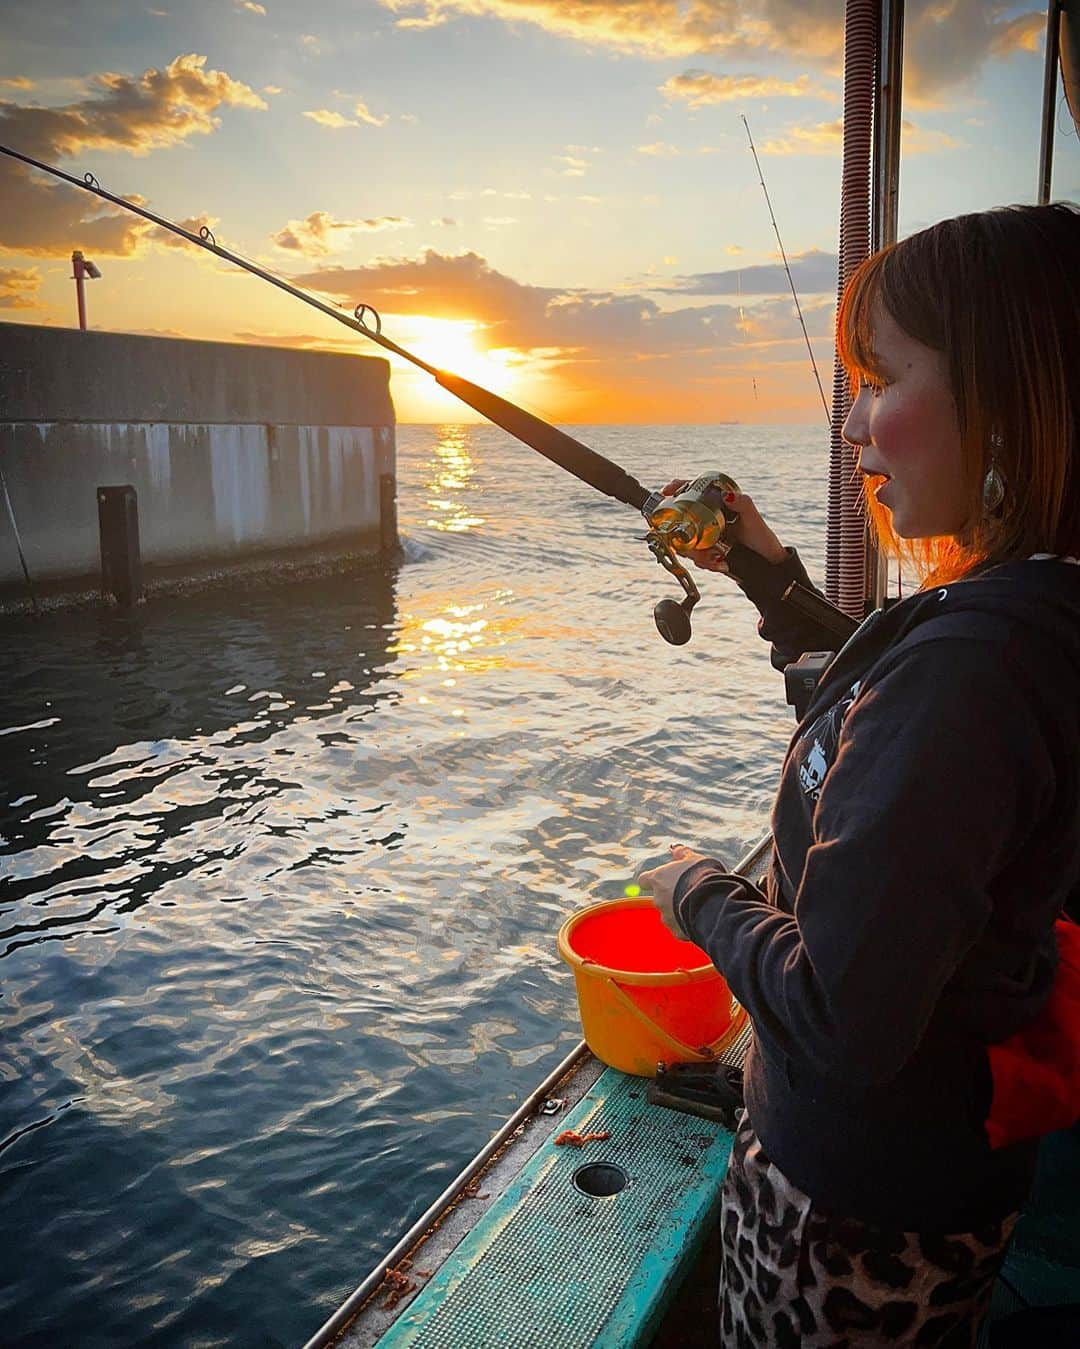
{"x":750,"y":530}
{"x":659,"y":885}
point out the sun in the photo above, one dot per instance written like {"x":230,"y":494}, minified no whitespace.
{"x":451,"y":345}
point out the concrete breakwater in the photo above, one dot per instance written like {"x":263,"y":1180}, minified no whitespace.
{"x":237,"y":453}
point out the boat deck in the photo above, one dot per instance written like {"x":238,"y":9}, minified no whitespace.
{"x":588,"y":1244}
{"x":518,"y":1253}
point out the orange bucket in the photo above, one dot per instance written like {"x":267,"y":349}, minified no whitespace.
{"x":645,"y":996}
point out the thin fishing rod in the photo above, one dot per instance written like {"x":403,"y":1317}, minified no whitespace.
{"x":561,"y":449}
{"x":584,"y":463}
{"x":787,"y":269}
{"x":18,"y":541}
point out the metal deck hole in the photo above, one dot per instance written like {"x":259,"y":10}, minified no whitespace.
{"x":600,"y":1179}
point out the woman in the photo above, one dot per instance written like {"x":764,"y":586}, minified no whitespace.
{"x":927,"y":823}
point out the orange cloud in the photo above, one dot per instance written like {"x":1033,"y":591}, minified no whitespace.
{"x":919,"y":140}
{"x":823,"y":138}
{"x":319,"y":234}
{"x":19,"y":287}
{"x":947,"y":41}
{"x":513,"y":314}
{"x":827,"y":138}
{"x":593,"y":356}
{"x":194,"y":224}
{"x":159,"y":109}
{"x":698,"y":88}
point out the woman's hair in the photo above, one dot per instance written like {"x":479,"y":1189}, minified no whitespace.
{"x":998,"y":294}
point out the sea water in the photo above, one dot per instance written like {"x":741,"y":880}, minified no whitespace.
{"x":283,"y":867}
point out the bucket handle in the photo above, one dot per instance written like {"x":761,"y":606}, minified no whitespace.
{"x":687,"y":1051}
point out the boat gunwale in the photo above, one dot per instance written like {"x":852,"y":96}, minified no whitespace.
{"x":339,"y":1322}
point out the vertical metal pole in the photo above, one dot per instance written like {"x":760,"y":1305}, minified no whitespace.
{"x":885,"y":202}
{"x":1049,"y":107}
{"x":887,"y":120}
{"x":845,"y":543}
{"x":79,"y":268}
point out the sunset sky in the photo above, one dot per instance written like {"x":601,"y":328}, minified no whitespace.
{"x":553,"y":197}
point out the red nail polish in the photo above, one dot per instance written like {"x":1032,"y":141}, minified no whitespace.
{"x":729,"y":497}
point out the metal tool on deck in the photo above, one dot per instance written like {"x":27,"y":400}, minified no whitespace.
{"x":696,"y":518}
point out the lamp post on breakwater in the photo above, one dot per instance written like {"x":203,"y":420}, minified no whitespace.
{"x":82,"y":270}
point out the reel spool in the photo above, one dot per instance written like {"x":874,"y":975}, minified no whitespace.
{"x":697,"y":518}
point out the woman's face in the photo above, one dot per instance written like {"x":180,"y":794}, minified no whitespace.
{"x":908,"y":435}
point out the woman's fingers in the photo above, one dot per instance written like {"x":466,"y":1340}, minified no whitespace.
{"x":711,"y":559}
{"x":751,"y":530}
{"x":674,"y":487}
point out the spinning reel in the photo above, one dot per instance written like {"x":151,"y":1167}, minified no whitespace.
{"x":696,"y":518}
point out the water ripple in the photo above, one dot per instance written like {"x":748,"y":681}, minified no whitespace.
{"x":282,"y":872}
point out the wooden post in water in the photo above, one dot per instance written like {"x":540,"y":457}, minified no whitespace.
{"x":388,"y":534}
{"x":121,"y":561}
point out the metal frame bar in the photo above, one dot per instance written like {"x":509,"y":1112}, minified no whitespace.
{"x":1049,"y":105}
{"x":885,"y":200}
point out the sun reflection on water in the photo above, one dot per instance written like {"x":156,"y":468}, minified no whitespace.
{"x":449,"y":477}
{"x":458,"y":638}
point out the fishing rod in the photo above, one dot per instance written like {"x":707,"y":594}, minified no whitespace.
{"x":787,"y":269}
{"x":695,"y":518}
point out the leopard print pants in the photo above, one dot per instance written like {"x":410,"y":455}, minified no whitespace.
{"x":791,"y":1276}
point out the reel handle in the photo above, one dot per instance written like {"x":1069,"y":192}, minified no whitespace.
{"x":672,"y":618}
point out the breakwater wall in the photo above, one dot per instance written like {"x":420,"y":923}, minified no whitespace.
{"x":235,"y":451}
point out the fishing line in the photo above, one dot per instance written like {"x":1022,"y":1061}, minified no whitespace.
{"x":695,"y":519}
{"x":787,"y":269}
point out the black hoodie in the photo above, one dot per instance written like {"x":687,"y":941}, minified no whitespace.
{"x":927,"y":834}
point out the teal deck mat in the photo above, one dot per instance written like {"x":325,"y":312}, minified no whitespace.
{"x":551,"y":1267}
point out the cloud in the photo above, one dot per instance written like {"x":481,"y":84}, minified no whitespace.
{"x":822,"y":138}
{"x":461,"y":286}
{"x":814,"y":272}
{"x":365,"y":115}
{"x":584,"y":325}
{"x":658,"y":150}
{"x":827,"y":138}
{"x":947,"y":41}
{"x":335,"y":120}
{"x":252,"y":7}
{"x":194,"y":224}
{"x":699,"y":89}
{"x":573,"y":165}
{"x":271,"y":89}
{"x":157,"y":110}
{"x":301,"y":341}
{"x":319,"y":234}
{"x":611,"y":356}
{"x":918,"y":140}
{"x":18,"y":82}
{"x":19,"y":287}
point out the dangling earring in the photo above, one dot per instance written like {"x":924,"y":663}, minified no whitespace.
{"x":993,"y":488}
